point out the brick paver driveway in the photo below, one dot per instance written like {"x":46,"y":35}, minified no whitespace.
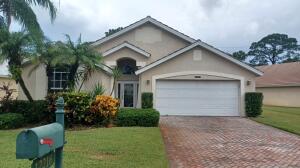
{"x":227,"y":142}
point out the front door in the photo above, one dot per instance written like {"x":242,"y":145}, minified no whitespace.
{"x":127,"y":92}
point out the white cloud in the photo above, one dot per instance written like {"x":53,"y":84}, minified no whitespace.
{"x":226,"y":24}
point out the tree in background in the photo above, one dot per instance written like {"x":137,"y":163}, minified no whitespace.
{"x":2,"y":23}
{"x":21,"y":11}
{"x":16,"y":47}
{"x":294,"y":59}
{"x":240,"y":55}
{"x":112,"y":31}
{"x":273,"y":49}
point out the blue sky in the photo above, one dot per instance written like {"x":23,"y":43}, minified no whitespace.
{"x":229,"y":25}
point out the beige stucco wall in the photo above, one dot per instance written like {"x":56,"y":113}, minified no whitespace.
{"x":209,"y":62}
{"x":125,"y":53}
{"x":98,"y":77}
{"x":150,"y":38}
{"x":36,"y":82}
{"x":281,"y":96}
{"x":12,"y":85}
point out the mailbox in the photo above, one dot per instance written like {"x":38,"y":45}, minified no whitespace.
{"x":37,"y":142}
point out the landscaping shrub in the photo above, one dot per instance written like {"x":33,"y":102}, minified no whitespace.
{"x":137,"y":117}
{"x":147,"y":100}
{"x":11,"y":120}
{"x":97,"y":90}
{"x":76,"y":106}
{"x":103,"y":109}
{"x":253,"y":101}
{"x":33,"y":112}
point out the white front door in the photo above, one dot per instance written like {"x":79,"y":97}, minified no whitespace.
{"x":127,"y":92}
{"x":200,"y":98}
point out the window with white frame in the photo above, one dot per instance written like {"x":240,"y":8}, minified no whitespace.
{"x":58,"y":78}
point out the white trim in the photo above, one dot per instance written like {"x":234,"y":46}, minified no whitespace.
{"x":149,"y":66}
{"x":105,"y":69}
{"x":5,"y":76}
{"x":224,"y":55}
{"x":135,"y":92}
{"x":198,"y":43}
{"x":239,"y":78}
{"x":128,"y":45}
{"x":139,"y":23}
{"x":140,"y":64}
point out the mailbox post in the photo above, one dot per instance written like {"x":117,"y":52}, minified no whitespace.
{"x":60,"y":118}
{"x":44,"y":145}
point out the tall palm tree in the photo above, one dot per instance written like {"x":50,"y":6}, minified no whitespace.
{"x":48,"y":54}
{"x":116,"y":73}
{"x":22,"y":12}
{"x":79,"y":54}
{"x":15,"y":47}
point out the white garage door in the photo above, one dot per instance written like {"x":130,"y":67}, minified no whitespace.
{"x":201,"y":98}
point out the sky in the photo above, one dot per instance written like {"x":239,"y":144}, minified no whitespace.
{"x":229,"y":25}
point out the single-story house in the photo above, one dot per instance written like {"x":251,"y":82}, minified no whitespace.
{"x":280,"y":84}
{"x":186,"y":76}
{"x":8,"y":81}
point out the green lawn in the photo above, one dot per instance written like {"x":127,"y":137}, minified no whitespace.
{"x":285,"y":118}
{"x":103,"y":147}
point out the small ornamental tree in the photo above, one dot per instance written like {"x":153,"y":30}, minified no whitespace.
{"x":147,"y":100}
{"x":253,"y":101}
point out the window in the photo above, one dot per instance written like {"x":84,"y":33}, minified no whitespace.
{"x":127,"y":66}
{"x":58,"y":78}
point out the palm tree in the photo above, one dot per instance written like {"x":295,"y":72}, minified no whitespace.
{"x":79,"y":54}
{"x":48,"y":54}
{"x":116,"y":73}
{"x":15,"y":47}
{"x":21,"y":11}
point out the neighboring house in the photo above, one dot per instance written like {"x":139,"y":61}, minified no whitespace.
{"x":280,"y":84}
{"x":6,"y":80}
{"x":186,"y":76}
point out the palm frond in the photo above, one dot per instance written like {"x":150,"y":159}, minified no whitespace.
{"x":24,"y":14}
{"x":47,"y":4}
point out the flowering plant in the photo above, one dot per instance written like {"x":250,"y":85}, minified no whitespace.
{"x":103,"y":108}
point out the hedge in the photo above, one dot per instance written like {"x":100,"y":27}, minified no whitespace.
{"x":33,"y":112}
{"x":137,"y":117}
{"x":253,"y":101}
{"x":11,"y":120}
{"x":147,"y":100}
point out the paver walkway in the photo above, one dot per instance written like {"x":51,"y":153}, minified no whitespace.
{"x":231,"y":142}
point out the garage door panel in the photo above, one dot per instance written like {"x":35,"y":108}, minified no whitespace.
{"x":194,"y":102}
{"x":195,"y":93}
{"x":204,"y":112}
{"x":207,"y":98}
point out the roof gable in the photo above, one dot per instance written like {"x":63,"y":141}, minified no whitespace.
{"x":204,"y":45}
{"x":126,"y":45}
{"x":141,"y":22}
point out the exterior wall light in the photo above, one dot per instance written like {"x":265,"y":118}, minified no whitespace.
{"x":147,"y":82}
{"x":248,"y":83}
